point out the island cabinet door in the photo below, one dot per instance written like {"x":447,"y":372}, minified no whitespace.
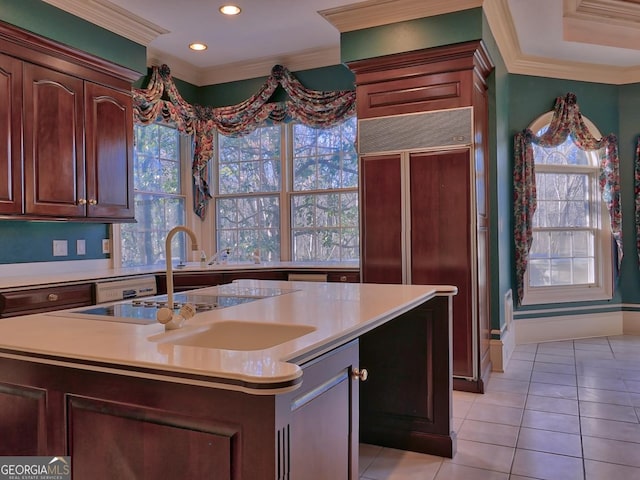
{"x":317,"y":435}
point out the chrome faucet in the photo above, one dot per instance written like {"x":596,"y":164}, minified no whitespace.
{"x":166,"y":314}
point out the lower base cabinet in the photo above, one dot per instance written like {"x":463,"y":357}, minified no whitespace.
{"x":123,"y":427}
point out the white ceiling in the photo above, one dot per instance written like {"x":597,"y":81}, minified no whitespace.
{"x":592,"y":40}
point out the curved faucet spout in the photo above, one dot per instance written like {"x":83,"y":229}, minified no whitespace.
{"x":194,"y":246}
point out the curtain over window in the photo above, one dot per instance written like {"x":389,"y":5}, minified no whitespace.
{"x":566,"y":121}
{"x":161,"y":100}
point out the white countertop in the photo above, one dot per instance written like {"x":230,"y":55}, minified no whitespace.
{"x":339,"y":312}
{"x":46,"y":273}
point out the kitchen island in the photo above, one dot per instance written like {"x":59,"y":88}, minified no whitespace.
{"x":129,"y":400}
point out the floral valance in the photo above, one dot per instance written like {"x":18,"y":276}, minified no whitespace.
{"x":160,"y":100}
{"x":566,"y":121}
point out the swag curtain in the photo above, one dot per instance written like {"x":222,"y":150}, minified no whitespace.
{"x":160,"y":100}
{"x":566,"y":121}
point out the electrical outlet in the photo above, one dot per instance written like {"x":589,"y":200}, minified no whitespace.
{"x":81,"y":247}
{"x":60,"y":248}
{"x":105,"y":246}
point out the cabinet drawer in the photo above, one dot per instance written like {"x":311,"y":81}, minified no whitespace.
{"x":348,"y":277}
{"x":37,"y":300}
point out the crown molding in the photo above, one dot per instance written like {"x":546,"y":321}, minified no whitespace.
{"x":501,"y":24}
{"x":231,"y":72}
{"x":374,"y":13}
{"x":113,"y":18}
{"x":613,"y":23}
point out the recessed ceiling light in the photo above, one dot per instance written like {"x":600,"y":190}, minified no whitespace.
{"x":230,"y":9}
{"x":197,"y":46}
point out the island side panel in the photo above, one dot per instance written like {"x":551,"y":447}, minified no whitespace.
{"x":104,"y":420}
{"x":406,"y":401}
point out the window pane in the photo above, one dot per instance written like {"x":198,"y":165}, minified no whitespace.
{"x":539,"y":272}
{"x":158,"y":199}
{"x":143,"y":243}
{"x":245,"y":224}
{"x":325,"y":227}
{"x":324,"y":158}
{"x":565,"y":154}
{"x":156,"y":162}
{"x":250,"y":163}
{"x":563,"y":200}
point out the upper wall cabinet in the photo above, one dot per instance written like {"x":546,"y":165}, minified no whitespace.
{"x":75,"y":111}
{"x":10,"y":130}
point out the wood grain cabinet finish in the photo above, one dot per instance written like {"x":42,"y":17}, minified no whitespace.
{"x":54,"y":146}
{"x":11,"y":131}
{"x":46,"y":299}
{"x":183,"y":281}
{"x":119,"y":426}
{"x":425,"y":216}
{"x":109,"y":152}
{"x":75,"y":160}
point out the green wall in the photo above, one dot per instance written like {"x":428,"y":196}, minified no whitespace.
{"x":532,"y":96}
{"x":336,"y":77}
{"x":24,"y":241}
{"x":45,"y":20}
{"x":412,"y":35}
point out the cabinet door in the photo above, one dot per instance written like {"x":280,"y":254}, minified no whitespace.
{"x":381,"y":235}
{"x":53,"y":143}
{"x":109,"y":152}
{"x":323,"y":432}
{"x":441,"y":222}
{"x":10,"y":123}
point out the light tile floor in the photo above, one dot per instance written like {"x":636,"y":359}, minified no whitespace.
{"x":561,"y":411}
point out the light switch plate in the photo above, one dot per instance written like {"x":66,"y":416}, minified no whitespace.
{"x":81,"y":247}
{"x":60,"y":248}
{"x":105,"y":245}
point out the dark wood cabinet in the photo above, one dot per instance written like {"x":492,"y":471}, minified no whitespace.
{"x":45,"y":299}
{"x":183,"y":281}
{"x":109,"y":152}
{"x":422,"y":140}
{"x":405,"y":403}
{"x":67,"y":124}
{"x":148,"y":428}
{"x":54,"y":145}
{"x":11,"y":131}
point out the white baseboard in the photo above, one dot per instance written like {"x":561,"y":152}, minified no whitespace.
{"x":568,"y":327}
{"x":500,"y":350}
{"x":631,"y":323}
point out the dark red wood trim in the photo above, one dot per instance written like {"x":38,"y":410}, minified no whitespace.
{"x":36,"y":49}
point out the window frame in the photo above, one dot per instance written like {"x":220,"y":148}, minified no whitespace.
{"x":286,"y":196}
{"x":186,"y":176}
{"x":602,"y":288}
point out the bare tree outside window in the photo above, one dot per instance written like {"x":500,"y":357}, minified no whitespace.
{"x":314,"y":169}
{"x":159,"y":200}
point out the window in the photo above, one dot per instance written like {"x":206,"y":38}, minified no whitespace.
{"x":159,"y":197}
{"x":570,"y":257}
{"x":289,"y":191}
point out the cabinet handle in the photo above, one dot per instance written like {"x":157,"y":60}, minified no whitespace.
{"x":52,"y":297}
{"x":343,"y":278}
{"x":82,"y":201}
{"x":93,"y":202}
{"x":360,"y":374}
